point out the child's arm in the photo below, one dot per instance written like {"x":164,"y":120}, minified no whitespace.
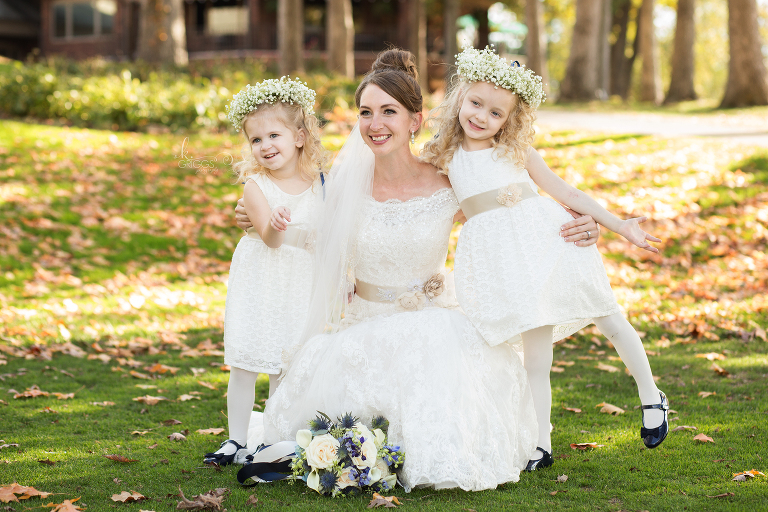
{"x":270,"y":224}
{"x":577,"y":200}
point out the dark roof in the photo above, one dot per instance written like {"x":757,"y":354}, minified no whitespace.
{"x":20,"y":11}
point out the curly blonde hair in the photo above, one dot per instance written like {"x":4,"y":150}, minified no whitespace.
{"x":312,"y":155}
{"x":513,"y":139}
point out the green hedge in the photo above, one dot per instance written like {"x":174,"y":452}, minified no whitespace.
{"x":134,"y":95}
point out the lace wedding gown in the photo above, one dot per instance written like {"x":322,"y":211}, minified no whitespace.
{"x":460,"y":409}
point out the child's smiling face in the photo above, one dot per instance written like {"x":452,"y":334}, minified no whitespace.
{"x":273,"y":144}
{"x":483,"y":113}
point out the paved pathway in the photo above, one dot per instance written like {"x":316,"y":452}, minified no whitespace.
{"x":741,"y":129}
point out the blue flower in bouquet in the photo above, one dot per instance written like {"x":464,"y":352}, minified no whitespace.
{"x":381,"y":423}
{"x":328,"y":482}
{"x":322,"y":424}
{"x":347,"y":421}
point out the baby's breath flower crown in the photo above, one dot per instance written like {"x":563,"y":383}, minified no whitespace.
{"x":485,"y":66}
{"x":270,"y":91}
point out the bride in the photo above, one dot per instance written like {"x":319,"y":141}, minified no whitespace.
{"x":460,"y":409}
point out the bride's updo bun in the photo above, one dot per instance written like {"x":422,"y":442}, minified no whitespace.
{"x":395,"y":73}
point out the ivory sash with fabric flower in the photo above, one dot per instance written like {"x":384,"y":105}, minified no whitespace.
{"x":410,"y":298}
{"x":507,"y":197}
{"x":295,"y":237}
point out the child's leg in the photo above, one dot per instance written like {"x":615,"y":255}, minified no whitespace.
{"x":272,"y":384}
{"x":537,"y":347}
{"x":627,"y":342}
{"x":241,"y":392}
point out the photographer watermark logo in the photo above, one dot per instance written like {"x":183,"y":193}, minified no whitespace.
{"x":202,"y":164}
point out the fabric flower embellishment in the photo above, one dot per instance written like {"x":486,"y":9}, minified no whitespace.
{"x":509,"y":195}
{"x":412,"y":301}
{"x":434,"y":286}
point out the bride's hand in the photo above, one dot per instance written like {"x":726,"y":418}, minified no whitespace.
{"x":241,"y":217}
{"x":583,"y":230}
{"x":631,"y":230}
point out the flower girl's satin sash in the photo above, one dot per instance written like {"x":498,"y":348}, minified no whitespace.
{"x":498,"y":198}
{"x":295,"y":237}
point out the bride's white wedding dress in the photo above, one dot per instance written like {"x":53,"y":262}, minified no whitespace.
{"x":460,"y":409}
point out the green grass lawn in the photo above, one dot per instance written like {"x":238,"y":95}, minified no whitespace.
{"x":113,"y":252}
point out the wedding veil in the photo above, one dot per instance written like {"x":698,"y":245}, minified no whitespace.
{"x":350,"y":181}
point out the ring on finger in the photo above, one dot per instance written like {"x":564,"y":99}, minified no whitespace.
{"x":589,"y":235}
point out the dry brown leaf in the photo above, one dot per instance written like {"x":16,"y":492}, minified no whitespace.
{"x":140,"y":432}
{"x":252,"y":500}
{"x":585,"y":446}
{"x":207,"y":385}
{"x":573,"y":409}
{"x":140,"y":375}
{"x":65,"y":506}
{"x":170,"y":422}
{"x":705,"y":394}
{"x":383,"y":501}
{"x":712,"y":356}
{"x":64,"y":396}
{"x":161,"y":368}
{"x":177,"y":436}
{"x":47,"y":462}
{"x":212,"y":500}
{"x":607,"y":368}
{"x":15,"y":492}
{"x":704,"y":438}
{"x":103,"y":404}
{"x":564,"y":363}
{"x":186,"y":397}
{"x":610,"y":409}
{"x":683,"y":427}
{"x":120,"y":458}
{"x":31,"y":392}
{"x":127,"y":497}
{"x":746,"y":475}
{"x":562,"y":478}
{"x":724,"y":495}
{"x":149,"y":400}
{"x":557,"y":369}
{"x":719,"y":370}
{"x":212,"y":431}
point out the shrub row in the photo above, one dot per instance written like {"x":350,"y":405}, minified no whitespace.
{"x":134,"y":96}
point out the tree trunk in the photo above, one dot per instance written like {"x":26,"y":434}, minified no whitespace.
{"x":747,"y":83}
{"x":417,"y":39}
{"x":650,"y":79}
{"x":290,"y":36}
{"x":341,"y":37}
{"x":483,"y":29}
{"x":536,"y":41}
{"x":681,"y":81}
{"x":162,"y":32}
{"x":620,"y":63}
{"x":604,"y":51}
{"x":580,"y":82}
{"x":450,"y":15}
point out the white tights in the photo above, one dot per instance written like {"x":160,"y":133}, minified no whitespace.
{"x":241,"y":393}
{"x":537,"y":346}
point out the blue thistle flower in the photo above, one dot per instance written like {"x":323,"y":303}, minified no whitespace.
{"x":347,"y":420}
{"x":327,"y":482}
{"x":320,"y":423}
{"x":380,"y":422}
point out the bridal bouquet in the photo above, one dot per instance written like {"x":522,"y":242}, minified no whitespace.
{"x":346,"y":456}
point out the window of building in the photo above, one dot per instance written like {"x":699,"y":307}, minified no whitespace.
{"x":83,"y":18}
{"x":228,"y":17}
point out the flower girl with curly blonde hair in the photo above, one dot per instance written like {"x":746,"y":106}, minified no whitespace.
{"x":270,"y":279}
{"x":515,"y":275}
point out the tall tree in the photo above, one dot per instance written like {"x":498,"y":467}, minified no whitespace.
{"x":290,"y":36}
{"x":162,"y":33}
{"x":341,"y":37}
{"x":747,"y":83}
{"x":604,"y":50}
{"x":681,"y":82}
{"x":450,"y":15}
{"x":650,"y":78}
{"x":536,"y":40}
{"x":417,"y":24}
{"x":581,"y":74}
{"x":621,"y":64}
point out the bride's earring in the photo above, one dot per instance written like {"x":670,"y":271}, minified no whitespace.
{"x":413,"y":139}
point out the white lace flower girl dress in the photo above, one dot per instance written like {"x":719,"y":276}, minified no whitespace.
{"x":269,"y":289}
{"x":514,"y":272}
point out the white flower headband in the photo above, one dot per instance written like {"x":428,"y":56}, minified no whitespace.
{"x":485,"y":66}
{"x":270,"y":91}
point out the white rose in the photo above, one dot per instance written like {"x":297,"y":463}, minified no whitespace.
{"x":369,"y":451}
{"x":303,"y":438}
{"x":381,"y":465}
{"x":380,"y":437}
{"x":345,"y":480}
{"x":321,"y":452}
